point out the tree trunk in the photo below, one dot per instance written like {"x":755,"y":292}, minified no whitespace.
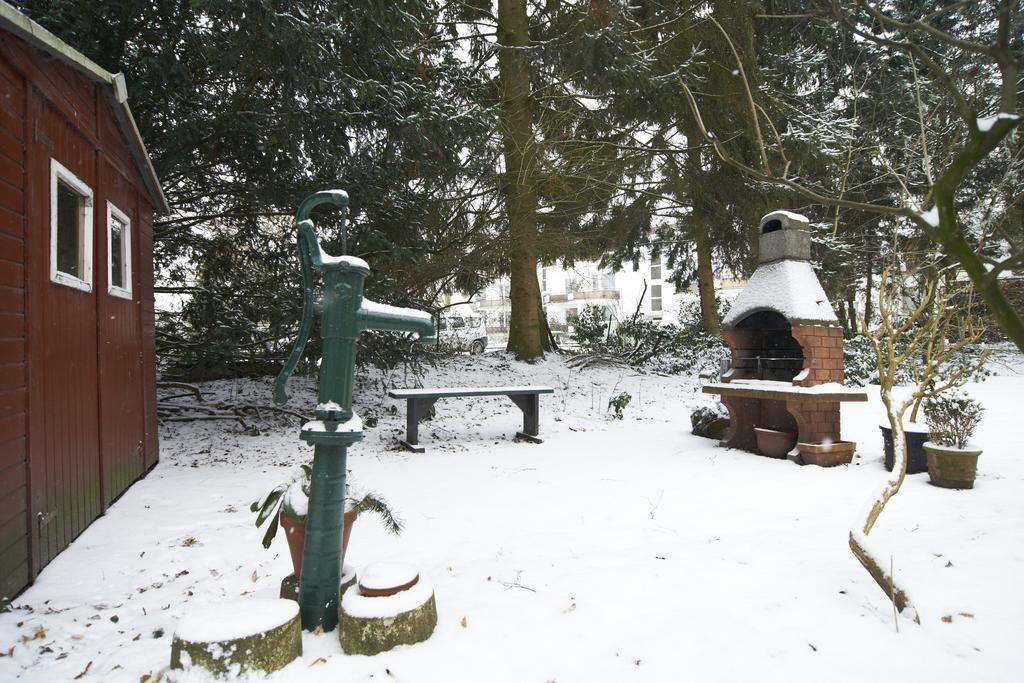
{"x":706,"y":283}
{"x":526,"y":334}
{"x":859,"y":543}
{"x":700,"y":221}
{"x":867,"y":295}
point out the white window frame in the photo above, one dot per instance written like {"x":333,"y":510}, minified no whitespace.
{"x":658,"y":310}
{"x":126,"y":243}
{"x":59,"y":172}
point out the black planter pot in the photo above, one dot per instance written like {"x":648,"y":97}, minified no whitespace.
{"x":917,"y":459}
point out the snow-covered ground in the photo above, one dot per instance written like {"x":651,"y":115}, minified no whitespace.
{"x":615,"y":551}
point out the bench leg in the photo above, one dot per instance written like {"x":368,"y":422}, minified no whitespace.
{"x":530,"y":405}
{"x":415,"y":409}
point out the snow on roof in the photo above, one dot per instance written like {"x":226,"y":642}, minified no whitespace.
{"x":798,"y":218}
{"x":789,"y":287}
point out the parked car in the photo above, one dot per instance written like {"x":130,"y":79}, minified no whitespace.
{"x":463,"y":333}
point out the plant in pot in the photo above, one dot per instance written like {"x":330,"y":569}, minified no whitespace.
{"x":935,"y":331}
{"x":285,"y":505}
{"x":918,"y":350}
{"x":952,"y":459}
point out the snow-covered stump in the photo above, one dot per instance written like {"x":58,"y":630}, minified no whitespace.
{"x":391,"y":605}
{"x":239,"y":636}
{"x":290,"y":584}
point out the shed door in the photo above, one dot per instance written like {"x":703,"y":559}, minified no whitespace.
{"x":122,"y":389}
{"x":66,"y":491}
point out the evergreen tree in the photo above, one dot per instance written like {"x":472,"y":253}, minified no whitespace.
{"x":247,"y":106}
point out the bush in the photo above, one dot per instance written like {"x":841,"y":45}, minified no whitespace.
{"x":710,"y":421}
{"x":618,"y":404}
{"x":952,"y":419}
{"x":590,"y":328}
{"x":647,"y":343}
{"x":860,"y":365}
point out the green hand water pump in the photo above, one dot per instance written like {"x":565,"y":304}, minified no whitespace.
{"x":345,"y":314}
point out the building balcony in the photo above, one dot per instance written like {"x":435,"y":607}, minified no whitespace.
{"x":592,"y":294}
{"x":493,"y":303}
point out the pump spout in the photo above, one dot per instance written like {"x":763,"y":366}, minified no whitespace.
{"x":375,"y":316}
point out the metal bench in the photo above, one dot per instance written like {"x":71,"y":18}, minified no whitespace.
{"x":419,"y":401}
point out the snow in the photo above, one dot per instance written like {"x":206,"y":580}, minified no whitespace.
{"x":359,"y":605}
{"x":386,"y":575}
{"x":908,"y":426}
{"x":374,"y":307}
{"x":789,"y":287}
{"x":931,"y":216}
{"x":234,"y":619}
{"x":296,"y":500}
{"x":350,"y":261}
{"x":616,"y":551}
{"x":329,"y":406}
{"x":795,"y":217}
{"x":985,"y":123}
{"x":789,"y":387}
{"x":353,"y":424}
{"x":404,"y":393}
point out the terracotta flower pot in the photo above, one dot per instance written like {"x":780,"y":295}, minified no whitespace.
{"x":295,"y":532}
{"x":775,"y":443}
{"x":950,"y":467}
{"x":827,"y":455}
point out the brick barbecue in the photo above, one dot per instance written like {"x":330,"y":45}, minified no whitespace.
{"x":786,"y":366}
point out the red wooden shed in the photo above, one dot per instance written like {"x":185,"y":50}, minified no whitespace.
{"x":77,"y":364}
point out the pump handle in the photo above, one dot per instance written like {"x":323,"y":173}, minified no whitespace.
{"x":309,"y":251}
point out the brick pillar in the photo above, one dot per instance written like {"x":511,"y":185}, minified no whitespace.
{"x":742,"y":414}
{"x":816,"y":420}
{"x":823,"y":353}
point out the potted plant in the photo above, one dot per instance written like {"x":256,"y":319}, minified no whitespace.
{"x":286,"y":504}
{"x":952,"y":459}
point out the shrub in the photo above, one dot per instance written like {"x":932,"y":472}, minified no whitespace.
{"x":618,"y":404}
{"x":710,"y":421}
{"x":952,"y":419}
{"x":590,"y":328}
{"x":648,"y":343}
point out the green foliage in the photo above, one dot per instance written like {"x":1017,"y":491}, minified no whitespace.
{"x":280,"y":498}
{"x":269,"y":507}
{"x":952,"y":419}
{"x":859,"y":365}
{"x":709,"y":421}
{"x":663,"y":347}
{"x":590,"y":328}
{"x":618,"y":404}
{"x":248,"y":107}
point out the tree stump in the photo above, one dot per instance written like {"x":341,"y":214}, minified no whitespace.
{"x":238,"y":636}
{"x":392,"y":605}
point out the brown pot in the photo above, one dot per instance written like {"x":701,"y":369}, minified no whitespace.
{"x":295,"y":532}
{"x":775,"y":443}
{"x":951,"y":468}
{"x":827,"y":455}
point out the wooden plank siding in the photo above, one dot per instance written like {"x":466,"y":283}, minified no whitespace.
{"x":77,"y":368}
{"x":15,"y":569}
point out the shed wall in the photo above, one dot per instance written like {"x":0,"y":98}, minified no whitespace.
{"x":77,"y":372}
{"x":15,"y":567}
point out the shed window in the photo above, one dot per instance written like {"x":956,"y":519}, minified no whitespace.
{"x":70,"y":229}
{"x":119,"y":251}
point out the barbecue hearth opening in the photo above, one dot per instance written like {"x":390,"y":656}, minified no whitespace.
{"x":771,"y":353}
